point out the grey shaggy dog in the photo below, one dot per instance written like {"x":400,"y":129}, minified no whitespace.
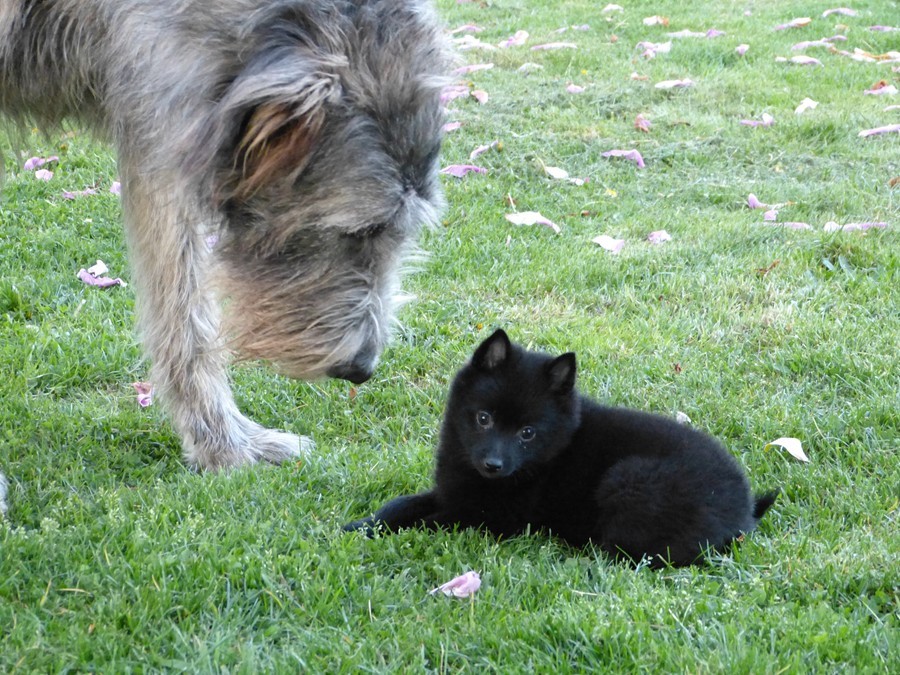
{"x":304,"y":133}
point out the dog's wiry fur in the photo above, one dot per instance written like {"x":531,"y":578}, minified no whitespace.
{"x":304,"y":133}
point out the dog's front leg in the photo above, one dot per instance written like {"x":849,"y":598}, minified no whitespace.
{"x":178,"y":319}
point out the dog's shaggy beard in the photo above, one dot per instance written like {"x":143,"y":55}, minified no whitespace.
{"x":306,"y":316}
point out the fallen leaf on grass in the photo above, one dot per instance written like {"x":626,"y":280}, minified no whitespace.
{"x":741,"y":49}
{"x":463,"y":586}
{"x":94,"y":276}
{"x":656,"y":21}
{"x":799,"y":60}
{"x":562,"y":174}
{"x":516,"y":40}
{"x":531,"y":218}
{"x":144,"y":391}
{"x":612,"y":245}
{"x":466,"y":28}
{"x":43,"y":174}
{"x":632,"y":155}
{"x":795,"y":23}
{"x":453,"y":91}
{"x":467,"y":42}
{"x":766,"y":121}
{"x":845,"y":11}
{"x":554,"y":45}
{"x":451,"y":126}
{"x":883,"y":29}
{"x":460,"y":170}
{"x":574,"y":89}
{"x":481,"y":149}
{"x":79,"y":193}
{"x":763,"y":271}
{"x":792,"y":445}
{"x":651,"y":49}
{"x":881,"y":88}
{"x":480,"y":95}
{"x":659,"y":237}
{"x":890,"y":128}
{"x":771,"y":215}
{"x":472,"y":68}
{"x":754,"y":203}
{"x":832,"y":226}
{"x":805,"y":104}
{"x":611,"y":8}
{"x":529,"y":67}
{"x":674,"y":84}
{"x":37,"y":162}
{"x":641,"y":123}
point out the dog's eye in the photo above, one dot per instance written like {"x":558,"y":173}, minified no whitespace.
{"x":527,"y":433}
{"x":484,"y":419}
{"x":368,"y":231}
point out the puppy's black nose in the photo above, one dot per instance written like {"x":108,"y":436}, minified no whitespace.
{"x":492,"y":465}
{"x":355,"y":372}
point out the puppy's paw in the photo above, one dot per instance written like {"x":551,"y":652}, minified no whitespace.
{"x":366,"y":526}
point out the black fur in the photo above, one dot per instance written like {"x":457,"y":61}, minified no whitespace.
{"x":520,"y":447}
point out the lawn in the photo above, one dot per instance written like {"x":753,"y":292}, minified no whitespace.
{"x":115,"y":557}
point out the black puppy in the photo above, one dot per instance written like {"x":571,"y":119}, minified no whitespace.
{"x":520,"y":447}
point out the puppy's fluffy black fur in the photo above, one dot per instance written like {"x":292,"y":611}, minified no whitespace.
{"x":520,"y":447}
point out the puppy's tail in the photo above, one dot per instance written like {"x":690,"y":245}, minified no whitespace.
{"x":763,"y":502}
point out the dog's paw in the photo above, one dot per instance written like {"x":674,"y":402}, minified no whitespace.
{"x":276,"y":447}
{"x":4,"y":485}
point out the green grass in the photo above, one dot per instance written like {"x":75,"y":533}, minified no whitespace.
{"x":115,"y":557}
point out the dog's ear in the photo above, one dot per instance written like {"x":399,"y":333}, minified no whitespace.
{"x":268,"y":122}
{"x":561,"y":372}
{"x":492,"y":352}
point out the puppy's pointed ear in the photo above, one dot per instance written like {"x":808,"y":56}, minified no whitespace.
{"x":492,"y":352}
{"x":561,"y":372}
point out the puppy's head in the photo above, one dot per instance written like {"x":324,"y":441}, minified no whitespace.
{"x":324,"y":152}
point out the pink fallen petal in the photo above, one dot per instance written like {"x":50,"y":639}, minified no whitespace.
{"x":611,"y":8}
{"x":516,"y":40}
{"x":883,"y":29}
{"x":554,"y":45}
{"x":467,"y":42}
{"x":844,"y":11}
{"x":771,"y":215}
{"x":463,"y":586}
{"x":651,"y":49}
{"x":98,"y":269}
{"x":144,"y":391}
{"x":674,"y":84}
{"x":529,"y":67}
{"x":451,"y":126}
{"x":43,"y":174}
{"x":792,"y":225}
{"x":795,"y":23}
{"x":531,"y":218}
{"x":714,"y":33}
{"x":805,"y":104}
{"x":632,"y":155}
{"x":614,"y":246}
{"x":481,"y":149}
{"x":472,"y":68}
{"x":79,"y":193}
{"x":574,"y":89}
{"x":889,"y":129}
{"x":480,"y":95}
{"x":116,"y":188}
{"x":659,"y":237}
{"x":885,"y":90}
{"x":741,"y":49}
{"x":33,"y":163}
{"x":792,"y":445}
{"x":754,"y":203}
{"x":655,"y":21}
{"x":460,"y":170}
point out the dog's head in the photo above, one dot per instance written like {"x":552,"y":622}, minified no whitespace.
{"x":324,"y":149}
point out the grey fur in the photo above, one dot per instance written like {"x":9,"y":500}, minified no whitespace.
{"x":304,"y":133}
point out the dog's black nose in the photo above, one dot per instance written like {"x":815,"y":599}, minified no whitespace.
{"x":492,"y":465}
{"x":355,"y":372}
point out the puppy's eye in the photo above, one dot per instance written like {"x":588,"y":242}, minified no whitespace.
{"x":484,"y":419}
{"x":527,"y":433}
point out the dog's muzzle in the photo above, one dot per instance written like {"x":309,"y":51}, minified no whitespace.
{"x":356,"y":371}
